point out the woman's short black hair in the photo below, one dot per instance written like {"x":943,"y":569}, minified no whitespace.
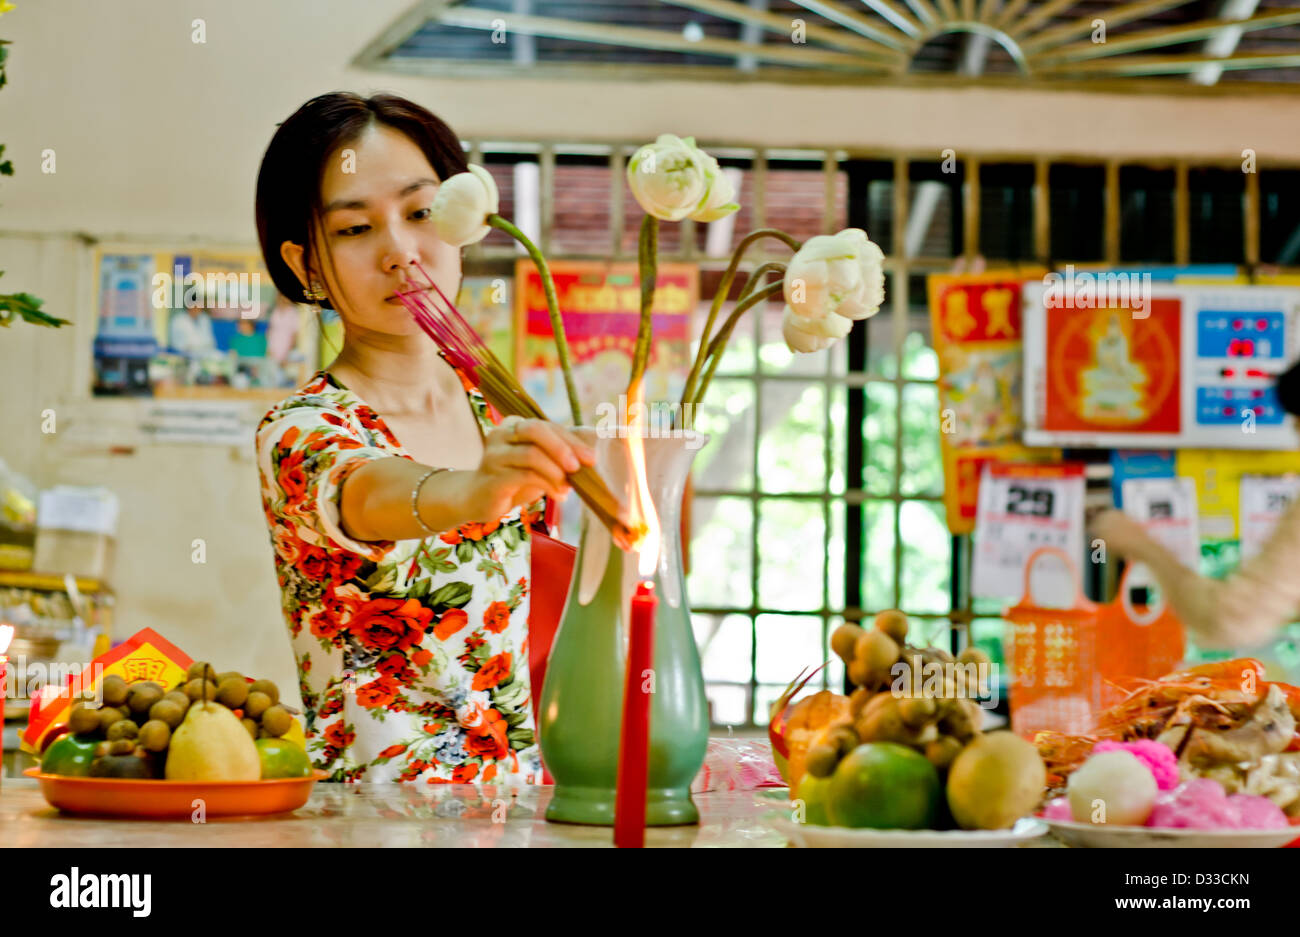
{"x":288,"y":184}
{"x":1288,"y":389}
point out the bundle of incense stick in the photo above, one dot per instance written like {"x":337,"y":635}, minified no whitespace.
{"x":467,"y":351}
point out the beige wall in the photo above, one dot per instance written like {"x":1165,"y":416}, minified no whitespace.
{"x":226,"y":609}
{"x":154,"y":134}
{"x":157,"y":139}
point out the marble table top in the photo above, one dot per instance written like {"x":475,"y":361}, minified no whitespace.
{"x":382,"y":815}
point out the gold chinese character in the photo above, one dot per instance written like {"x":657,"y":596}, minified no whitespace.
{"x":957,"y":319}
{"x":997,"y":305}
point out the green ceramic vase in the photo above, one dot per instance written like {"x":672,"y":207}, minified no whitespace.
{"x":582,"y":700}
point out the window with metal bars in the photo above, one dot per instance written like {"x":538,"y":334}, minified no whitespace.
{"x":819,"y":499}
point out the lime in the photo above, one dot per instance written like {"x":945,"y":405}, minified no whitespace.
{"x":812,"y":790}
{"x":884,"y":786}
{"x":69,"y":755}
{"x":282,"y":759}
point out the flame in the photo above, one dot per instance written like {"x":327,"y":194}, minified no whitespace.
{"x":642,"y":507}
{"x":6,"y":636}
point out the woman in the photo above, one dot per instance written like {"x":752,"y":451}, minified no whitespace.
{"x":1250,"y":605}
{"x":399,"y":513}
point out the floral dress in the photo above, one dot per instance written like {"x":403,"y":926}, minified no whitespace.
{"x":412,"y":654}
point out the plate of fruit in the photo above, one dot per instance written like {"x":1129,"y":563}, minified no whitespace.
{"x":1138,"y":795}
{"x":903,"y":760}
{"x":214,"y":745}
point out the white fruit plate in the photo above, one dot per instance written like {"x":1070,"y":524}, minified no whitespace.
{"x":1147,"y":837}
{"x":806,"y":835}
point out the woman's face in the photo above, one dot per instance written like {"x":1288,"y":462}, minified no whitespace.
{"x":376,"y":228}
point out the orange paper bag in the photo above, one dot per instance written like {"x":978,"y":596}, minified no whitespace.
{"x":1070,"y":657}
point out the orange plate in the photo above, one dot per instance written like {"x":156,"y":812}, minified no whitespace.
{"x":157,"y":800}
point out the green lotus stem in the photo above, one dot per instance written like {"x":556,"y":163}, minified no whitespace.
{"x":758,"y":276}
{"x":720,"y":297}
{"x":647,"y":258}
{"x":552,"y":307}
{"x":724,"y":333}
{"x":716,"y":347}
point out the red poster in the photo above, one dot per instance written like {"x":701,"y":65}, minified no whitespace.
{"x":601,"y":307}
{"x":978,"y":311}
{"x":1109,"y":371}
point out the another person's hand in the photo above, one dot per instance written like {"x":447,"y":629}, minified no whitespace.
{"x":1120,"y":533}
{"x":524,"y":460}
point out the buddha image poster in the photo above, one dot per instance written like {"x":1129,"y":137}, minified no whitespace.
{"x":1110,"y":371}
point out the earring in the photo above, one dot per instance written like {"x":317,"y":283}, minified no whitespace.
{"x":315,"y":293}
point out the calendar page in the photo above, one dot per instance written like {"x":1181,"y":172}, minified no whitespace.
{"x":1264,"y":499}
{"x":1166,"y":507}
{"x":1021,"y":509}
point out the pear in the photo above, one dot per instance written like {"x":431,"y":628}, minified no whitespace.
{"x":211,"y":744}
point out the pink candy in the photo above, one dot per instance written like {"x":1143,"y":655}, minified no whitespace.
{"x":1201,"y":804}
{"x":1161,"y":760}
{"x":1058,"y":808}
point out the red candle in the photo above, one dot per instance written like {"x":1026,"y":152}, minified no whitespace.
{"x":634,"y":744}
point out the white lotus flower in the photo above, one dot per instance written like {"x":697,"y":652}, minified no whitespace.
{"x":673,"y":179}
{"x":841,"y":273}
{"x":799,"y":339}
{"x":462,"y":205}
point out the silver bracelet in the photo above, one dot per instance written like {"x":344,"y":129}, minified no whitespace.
{"x":415,"y":500}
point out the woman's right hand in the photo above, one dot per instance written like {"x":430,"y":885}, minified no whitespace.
{"x":1120,"y":533}
{"x":524,"y":460}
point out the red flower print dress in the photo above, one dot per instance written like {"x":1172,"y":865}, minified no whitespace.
{"x":412,"y":654}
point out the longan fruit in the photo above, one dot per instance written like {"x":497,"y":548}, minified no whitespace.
{"x":198,"y":689}
{"x":166,"y":711}
{"x":973,"y":654}
{"x":114,"y":690}
{"x":109,"y":715}
{"x":918,"y":710}
{"x":844,"y":639}
{"x":123,"y":729}
{"x":963,"y":720}
{"x":267,"y":687}
{"x":143,"y":695}
{"x":844,"y":738}
{"x":251,"y":726}
{"x":878,"y":651}
{"x":197,"y":670}
{"x":893,"y":623}
{"x":858,"y":699}
{"x":822,"y":760}
{"x":83,"y":719}
{"x":256,"y":704}
{"x":121,"y":746}
{"x":232,"y":691}
{"x":859,"y":673}
{"x":276,"y":721}
{"x":943,"y":751}
{"x":154,"y":735}
{"x":229,"y":674}
{"x":179,"y":698}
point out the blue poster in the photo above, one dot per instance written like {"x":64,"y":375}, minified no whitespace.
{"x":1138,"y":463}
